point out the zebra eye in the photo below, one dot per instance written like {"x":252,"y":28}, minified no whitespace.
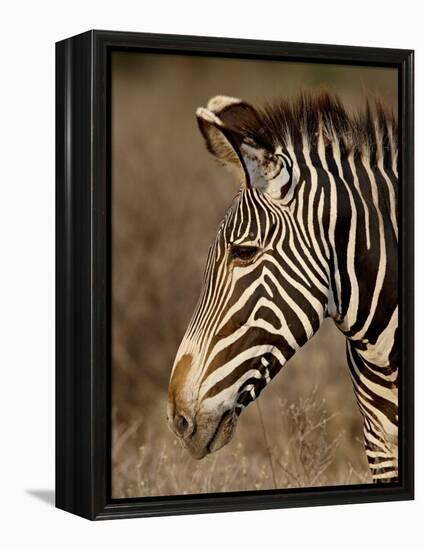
{"x":243,"y":253}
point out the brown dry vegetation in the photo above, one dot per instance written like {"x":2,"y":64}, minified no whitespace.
{"x":168,"y":197}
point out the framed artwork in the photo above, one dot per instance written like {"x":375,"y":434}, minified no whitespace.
{"x":234,"y":274}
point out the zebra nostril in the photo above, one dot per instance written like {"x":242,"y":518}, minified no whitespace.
{"x":183,"y":425}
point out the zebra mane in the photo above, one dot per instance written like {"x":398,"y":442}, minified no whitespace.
{"x":370,"y":133}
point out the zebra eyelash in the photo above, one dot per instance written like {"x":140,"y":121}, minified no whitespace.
{"x":243,"y":253}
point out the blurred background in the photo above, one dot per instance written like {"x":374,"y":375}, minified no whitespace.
{"x":168,"y":197}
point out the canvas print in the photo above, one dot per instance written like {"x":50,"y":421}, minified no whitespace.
{"x":254,"y":310}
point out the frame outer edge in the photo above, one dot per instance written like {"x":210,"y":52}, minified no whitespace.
{"x":74,"y":418}
{"x":406,"y":92}
{"x":82,"y":262}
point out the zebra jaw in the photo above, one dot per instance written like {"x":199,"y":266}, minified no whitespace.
{"x":224,"y":431}
{"x":226,"y":427}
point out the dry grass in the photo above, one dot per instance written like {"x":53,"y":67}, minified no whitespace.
{"x":168,"y":198}
{"x":303,"y":455}
{"x":311,"y":436}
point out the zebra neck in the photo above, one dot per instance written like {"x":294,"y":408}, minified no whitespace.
{"x":362,"y":239}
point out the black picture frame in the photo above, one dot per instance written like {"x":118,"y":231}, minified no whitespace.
{"x":83,"y":263}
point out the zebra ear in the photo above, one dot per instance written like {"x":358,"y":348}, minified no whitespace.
{"x":223,"y":124}
{"x":221,"y":140}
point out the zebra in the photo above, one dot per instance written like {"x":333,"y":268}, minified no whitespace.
{"x":312,"y":233}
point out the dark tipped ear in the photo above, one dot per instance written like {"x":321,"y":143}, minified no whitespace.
{"x":236,"y":114}
{"x":224,"y":124}
{"x":223,"y":142}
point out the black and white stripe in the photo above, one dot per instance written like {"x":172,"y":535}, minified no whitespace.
{"x":312,"y":233}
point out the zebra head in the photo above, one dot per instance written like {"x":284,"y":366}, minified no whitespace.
{"x":266,"y":285}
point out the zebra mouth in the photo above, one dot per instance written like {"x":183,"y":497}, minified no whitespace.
{"x":224,"y":431}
